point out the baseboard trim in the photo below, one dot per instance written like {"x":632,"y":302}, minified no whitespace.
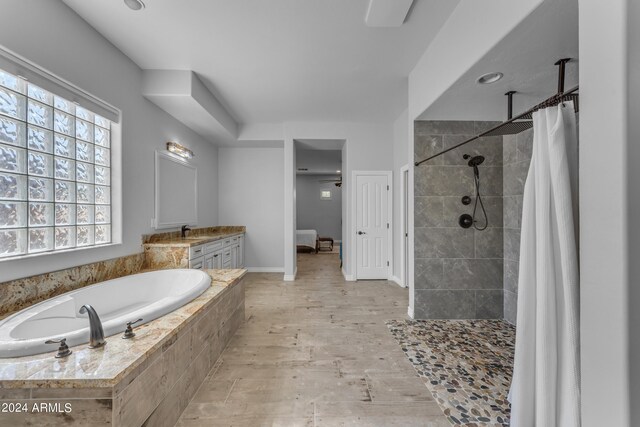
{"x":396,"y":280}
{"x":291,"y":277}
{"x":410,"y":312}
{"x":265,"y":269}
{"x":348,"y":277}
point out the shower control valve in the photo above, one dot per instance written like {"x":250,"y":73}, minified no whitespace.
{"x":63,"y":349}
{"x":465,"y":220}
{"x":128,"y":333}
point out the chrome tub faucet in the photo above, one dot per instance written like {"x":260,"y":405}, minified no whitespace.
{"x":96,"y":337}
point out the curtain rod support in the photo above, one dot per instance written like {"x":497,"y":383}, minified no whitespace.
{"x":551,"y":101}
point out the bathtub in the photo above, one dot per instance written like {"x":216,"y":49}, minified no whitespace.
{"x":118,"y":301}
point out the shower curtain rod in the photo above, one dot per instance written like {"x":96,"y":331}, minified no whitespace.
{"x":561,"y":96}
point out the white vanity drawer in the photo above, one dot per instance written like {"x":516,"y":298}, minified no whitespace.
{"x":213,"y":246}
{"x":227,"y":265}
{"x":226,"y":256}
{"x":196,"y":251}
{"x":234,"y":239}
{"x":227,"y":242}
{"x":197,"y":263}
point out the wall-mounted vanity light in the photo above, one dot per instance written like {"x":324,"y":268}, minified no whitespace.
{"x":180,"y":150}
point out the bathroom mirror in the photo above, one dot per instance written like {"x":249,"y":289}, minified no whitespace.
{"x":176,"y":192}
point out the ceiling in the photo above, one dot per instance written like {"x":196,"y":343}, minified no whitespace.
{"x":526,"y":57}
{"x":277,"y":60}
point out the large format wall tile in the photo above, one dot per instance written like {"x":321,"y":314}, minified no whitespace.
{"x":512,"y":244}
{"x":444,"y":243}
{"x":489,"y":304}
{"x":451,"y":263}
{"x":429,"y":211}
{"x":443,"y":180}
{"x":488,"y":243}
{"x":426,"y":146}
{"x":444,"y":304}
{"x":490,"y":147}
{"x":525,"y":145}
{"x":510,"y":307}
{"x":429,"y":273}
{"x":472,"y":274}
{"x":509,"y":149}
{"x":515,"y":175}
{"x":511,"y":275}
{"x":512,"y":211}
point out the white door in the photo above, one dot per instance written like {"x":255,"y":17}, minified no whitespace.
{"x":372,"y":226}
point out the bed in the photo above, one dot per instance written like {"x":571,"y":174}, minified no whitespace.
{"x":307,"y":239}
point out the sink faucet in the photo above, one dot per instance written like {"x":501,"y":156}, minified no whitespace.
{"x":96,"y":337}
{"x":184,"y":230}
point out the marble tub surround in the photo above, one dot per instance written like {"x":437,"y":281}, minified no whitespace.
{"x":164,"y":256}
{"x":149,"y":378}
{"x":21,"y":293}
{"x":207,"y":234}
{"x":458,"y":272}
{"x":467,"y":365}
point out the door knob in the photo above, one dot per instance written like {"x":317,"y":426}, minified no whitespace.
{"x":361,"y":232}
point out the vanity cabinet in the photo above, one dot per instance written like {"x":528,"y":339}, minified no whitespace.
{"x":223,"y":253}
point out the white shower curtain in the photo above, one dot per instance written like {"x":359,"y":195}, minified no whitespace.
{"x":545,"y":391}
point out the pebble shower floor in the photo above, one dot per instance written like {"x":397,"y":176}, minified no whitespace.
{"x":468,"y":365}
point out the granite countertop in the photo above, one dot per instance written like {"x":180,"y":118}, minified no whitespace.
{"x":195,"y":237}
{"x":107,"y":366}
{"x":192,"y":240}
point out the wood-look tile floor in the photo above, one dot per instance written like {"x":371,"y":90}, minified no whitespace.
{"x":315,"y":352}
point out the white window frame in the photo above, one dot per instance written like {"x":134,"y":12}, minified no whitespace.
{"x":17,"y":65}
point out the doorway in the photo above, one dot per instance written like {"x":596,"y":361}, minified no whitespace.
{"x":372,"y":225}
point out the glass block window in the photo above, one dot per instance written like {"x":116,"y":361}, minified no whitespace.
{"x":55,"y":172}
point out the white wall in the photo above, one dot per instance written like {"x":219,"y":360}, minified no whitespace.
{"x":75,"y":52}
{"x":368,"y":147}
{"x":251,"y":193}
{"x":471,"y":31}
{"x":609,"y":237}
{"x":633,"y":137}
{"x":400,"y":158}
{"x":313,"y":213}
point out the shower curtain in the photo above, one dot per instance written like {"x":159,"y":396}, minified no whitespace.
{"x":545,"y":390}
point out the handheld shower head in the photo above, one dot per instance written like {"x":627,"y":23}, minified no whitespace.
{"x":474,"y":161}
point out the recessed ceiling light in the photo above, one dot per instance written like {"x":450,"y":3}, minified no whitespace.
{"x":489,"y":78}
{"x":134,"y":4}
{"x":338,"y":171}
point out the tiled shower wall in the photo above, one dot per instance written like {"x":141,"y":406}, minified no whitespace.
{"x":458,"y":272}
{"x":517,"y":151}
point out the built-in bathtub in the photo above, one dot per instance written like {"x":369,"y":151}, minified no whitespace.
{"x":118,"y":301}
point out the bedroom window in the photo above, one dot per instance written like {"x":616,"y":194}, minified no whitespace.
{"x":325,"y":194}
{"x":55,"y":171}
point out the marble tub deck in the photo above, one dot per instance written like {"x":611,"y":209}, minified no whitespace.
{"x":118,"y":360}
{"x":467,"y":365}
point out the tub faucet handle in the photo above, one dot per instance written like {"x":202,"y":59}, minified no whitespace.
{"x":63,"y":349}
{"x":128,"y":333}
